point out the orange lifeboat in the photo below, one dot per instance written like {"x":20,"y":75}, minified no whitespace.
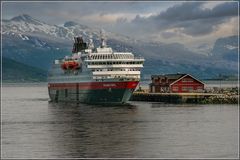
{"x":70,"y":65}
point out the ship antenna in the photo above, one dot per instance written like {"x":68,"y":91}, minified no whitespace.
{"x":91,"y":44}
{"x":103,"y":39}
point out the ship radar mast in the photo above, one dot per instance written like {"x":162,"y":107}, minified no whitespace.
{"x":91,"y":44}
{"x":103,"y":39}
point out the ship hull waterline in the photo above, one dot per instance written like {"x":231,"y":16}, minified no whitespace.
{"x":92,"y":92}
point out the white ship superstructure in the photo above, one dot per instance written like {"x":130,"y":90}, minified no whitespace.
{"x":94,"y":75}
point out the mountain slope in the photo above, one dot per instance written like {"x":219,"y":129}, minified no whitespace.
{"x":13,"y":71}
{"x":35,"y":43}
{"x":226,"y":48}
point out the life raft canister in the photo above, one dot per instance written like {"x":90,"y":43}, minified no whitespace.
{"x":70,"y":65}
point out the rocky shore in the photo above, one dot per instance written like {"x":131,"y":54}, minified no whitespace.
{"x":216,"y":96}
{"x":226,"y":96}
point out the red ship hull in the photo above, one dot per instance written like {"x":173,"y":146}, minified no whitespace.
{"x":92,"y":92}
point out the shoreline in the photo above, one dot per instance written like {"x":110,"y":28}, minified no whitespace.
{"x":192,"y":98}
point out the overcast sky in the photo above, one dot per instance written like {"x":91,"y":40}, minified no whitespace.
{"x":190,"y":23}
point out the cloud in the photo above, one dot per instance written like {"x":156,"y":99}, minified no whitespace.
{"x":58,"y":12}
{"x":121,"y":20}
{"x":192,"y":11}
{"x":183,"y":22}
{"x":167,"y":34}
{"x":189,"y":18}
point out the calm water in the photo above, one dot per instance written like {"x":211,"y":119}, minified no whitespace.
{"x":34,"y":128}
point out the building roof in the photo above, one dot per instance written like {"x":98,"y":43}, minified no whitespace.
{"x":186,"y":76}
{"x":175,"y":77}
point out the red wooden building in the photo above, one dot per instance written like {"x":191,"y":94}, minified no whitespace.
{"x":175,"y":83}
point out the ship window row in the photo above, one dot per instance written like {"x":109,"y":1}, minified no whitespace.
{"x":116,"y":76}
{"x":112,"y":56}
{"x":131,"y":69}
{"x":110,"y":63}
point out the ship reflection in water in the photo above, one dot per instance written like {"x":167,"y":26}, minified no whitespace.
{"x":32,"y":127}
{"x":93,"y":131}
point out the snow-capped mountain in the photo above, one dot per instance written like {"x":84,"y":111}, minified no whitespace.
{"x":226,"y":48}
{"x":36,"y":43}
{"x":24,"y":25}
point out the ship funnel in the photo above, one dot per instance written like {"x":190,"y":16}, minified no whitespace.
{"x":103,"y":38}
{"x":79,"y":45}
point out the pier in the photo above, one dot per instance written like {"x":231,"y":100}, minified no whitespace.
{"x":183,"y":97}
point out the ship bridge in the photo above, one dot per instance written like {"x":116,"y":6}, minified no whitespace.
{"x":115,"y":55}
{"x":117,"y":65}
{"x":105,"y":50}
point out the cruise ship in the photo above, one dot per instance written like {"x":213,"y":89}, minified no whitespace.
{"x":94,"y":74}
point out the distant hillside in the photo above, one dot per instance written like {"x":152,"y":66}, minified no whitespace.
{"x":35,"y":43}
{"x":226,"y":48}
{"x":13,"y":71}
